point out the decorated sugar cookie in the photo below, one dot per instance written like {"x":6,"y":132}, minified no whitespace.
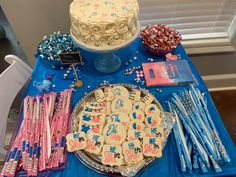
{"x":99,"y":95}
{"x":108,"y":108}
{"x":88,"y":127}
{"x":157,"y":132}
{"x":148,"y":99}
{"x":109,"y":95}
{"x":135,"y":95}
{"x":120,"y":104}
{"x":136,"y":135}
{"x":152,"y":109}
{"x":112,"y":155}
{"x":137,"y":115}
{"x":139,"y":106}
{"x":136,"y":125}
{"x":132,"y":151}
{"x":119,"y":117}
{"x":76,"y":141}
{"x":92,"y":117}
{"x":95,"y":104}
{"x":120,"y":91}
{"x":114,"y":133}
{"x":153,"y":120}
{"x":94,"y":143}
{"x":94,"y":109}
{"x":152,"y":147}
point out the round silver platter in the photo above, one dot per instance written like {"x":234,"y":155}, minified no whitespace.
{"x":93,"y":161}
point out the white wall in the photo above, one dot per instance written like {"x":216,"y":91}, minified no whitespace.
{"x":33,"y":19}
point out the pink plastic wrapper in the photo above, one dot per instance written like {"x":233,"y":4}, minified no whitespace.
{"x":31,"y":146}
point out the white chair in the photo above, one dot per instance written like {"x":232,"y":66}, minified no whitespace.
{"x":11,"y":81}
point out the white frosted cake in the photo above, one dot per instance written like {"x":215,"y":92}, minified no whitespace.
{"x":104,"y":23}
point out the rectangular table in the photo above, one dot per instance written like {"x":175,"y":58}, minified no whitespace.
{"x":168,"y":164}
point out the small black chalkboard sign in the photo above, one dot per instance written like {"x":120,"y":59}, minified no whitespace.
{"x":71,"y":58}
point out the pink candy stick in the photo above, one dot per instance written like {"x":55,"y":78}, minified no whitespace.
{"x":48,"y":133}
{"x":52,"y":104}
{"x":34,"y":170}
{"x":59,"y":130}
{"x":31,"y":140}
{"x":11,"y":165}
{"x":64,"y":119}
{"x":27,"y":114}
{"x":28,"y":131}
{"x":42,"y":164}
{"x":65,"y":126}
{"x":15,"y":146}
{"x":53,"y":124}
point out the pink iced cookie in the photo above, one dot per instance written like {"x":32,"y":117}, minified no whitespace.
{"x":136,"y":125}
{"x":120,"y":104}
{"x":136,"y":135}
{"x":139,"y":106}
{"x":152,"y":109}
{"x":76,"y":141}
{"x":157,"y":132}
{"x":94,"y":109}
{"x":114,"y":133}
{"x":137,"y":115}
{"x":112,"y":155}
{"x":153,"y":120}
{"x":132,"y":151}
{"x":119,"y":117}
{"x":88,"y":127}
{"x":152,"y":147}
{"x":94,"y":143}
{"x":88,"y":117}
{"x":120,"y":91}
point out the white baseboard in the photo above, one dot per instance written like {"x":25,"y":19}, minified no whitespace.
{"x":221,"y":82}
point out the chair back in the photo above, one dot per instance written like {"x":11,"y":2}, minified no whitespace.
{"x":11,"y":81}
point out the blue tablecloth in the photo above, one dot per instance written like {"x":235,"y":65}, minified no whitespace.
{"x":168,"y":164}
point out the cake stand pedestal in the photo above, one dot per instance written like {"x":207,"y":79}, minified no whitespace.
{"x":106,"y":61}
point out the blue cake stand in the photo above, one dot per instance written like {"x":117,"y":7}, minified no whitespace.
{"x":106,"y":61}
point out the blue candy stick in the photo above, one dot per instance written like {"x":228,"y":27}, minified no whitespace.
{"x":195,"y":100}
{"x":199,"y":147}
{"x":202,"y":165}
{"x":188,"y":121}
{"x":215,"y":165}
{"x":183,"y":143}
{"x":202,"y":132}
{"x":184,"y":155}
{"x":195,"y":161}
{"x":199,"y":110}
{"x":221,"y":147}
{"x":178,"y":145}
{"x":194,"y":113}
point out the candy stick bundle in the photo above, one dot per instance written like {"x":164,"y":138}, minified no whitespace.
{"x":197,"y":139}
{"x":40,"y":142}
